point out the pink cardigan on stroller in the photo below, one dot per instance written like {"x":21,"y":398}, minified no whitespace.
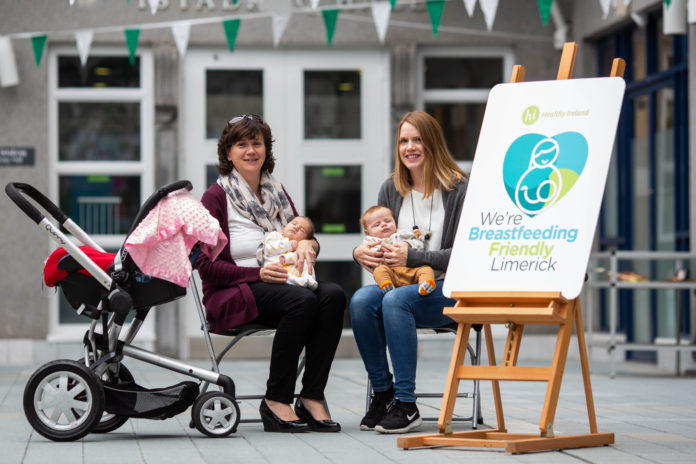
{"x":160,"y":245}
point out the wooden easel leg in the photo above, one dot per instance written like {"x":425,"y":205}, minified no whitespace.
{"x":461,"y":342}
{"x":584,"y":363}
{"x":499,"y":416}
{"x":565,"y":331}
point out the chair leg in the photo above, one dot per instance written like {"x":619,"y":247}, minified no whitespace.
{"x":476,"y":360}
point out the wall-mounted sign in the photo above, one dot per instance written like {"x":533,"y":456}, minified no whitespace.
{"x":536,"y":187}
{"x":16,"y":156}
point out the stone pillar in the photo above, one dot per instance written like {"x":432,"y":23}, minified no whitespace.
{"x":168,"y":333}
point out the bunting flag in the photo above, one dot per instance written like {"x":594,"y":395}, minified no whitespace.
{"x":544,"y":10}
{"x":393,"y":3}
{"x":132,"y":43}
{"x":605,"y":5}
{"x":380,"y":14}
{"x":691,"y":10}
{"x":181,"y":32}
{"x":83,"y":42}
{"x":435,"y":8}
{"x":8,"y":63}
{"x":153,"y":5}
{"x":72,"y":2}
{"x":278,"y":24}
{"x":231,"y":27}
{"x":489,"y":8}
{"x":314,"y":4}
{"x":470,"y":5}
{"x":38,"y":42}
{"x":330,"y":18}
{"x":667,"y":2}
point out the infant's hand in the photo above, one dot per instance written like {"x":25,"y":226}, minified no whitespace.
{"x":281,"y":260}
{"x":293,"y":245}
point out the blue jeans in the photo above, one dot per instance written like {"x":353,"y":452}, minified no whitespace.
{"x":389,"y":320}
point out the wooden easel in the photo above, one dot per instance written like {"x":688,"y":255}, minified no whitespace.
{"x":515,"y":310}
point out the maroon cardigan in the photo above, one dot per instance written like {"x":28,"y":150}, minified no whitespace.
{"x":226,"y":295}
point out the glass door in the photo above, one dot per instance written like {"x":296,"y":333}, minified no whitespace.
{"x":329,"y":113}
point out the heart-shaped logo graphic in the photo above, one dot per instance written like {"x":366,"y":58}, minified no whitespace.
{"x":539,"y":170}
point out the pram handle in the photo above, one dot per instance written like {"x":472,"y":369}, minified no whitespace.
{"x":13,"y":190}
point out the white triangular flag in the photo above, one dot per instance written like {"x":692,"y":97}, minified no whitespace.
{"x":380,"y":14}
{"x":470,"y":5}
{"x":691,"y":12}
{"x":72,"y":2}
{"x":489,"y":8}
{"x":181,"y":31}
{"x":153,"y":5}
{"x":83,"y":40}
{"x":279,"y":23}
{"x":314,"y":4}
{"x":605,"y":4}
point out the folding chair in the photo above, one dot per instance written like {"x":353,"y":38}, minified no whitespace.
{"x":237,"y":333}
{"x":475,"y":354}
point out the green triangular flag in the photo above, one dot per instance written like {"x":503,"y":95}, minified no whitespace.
{"x":330,"y":18}
{"x":544,"y":10}
{"x":393,"y":3}
{"x":231,"y":27}
{"x":435,"y":8}
{"x":38,"y":42}
{"x":667,"y":2}
{"x":132,"y":43}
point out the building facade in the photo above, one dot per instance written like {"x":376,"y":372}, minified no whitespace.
{"x":106,"y":133}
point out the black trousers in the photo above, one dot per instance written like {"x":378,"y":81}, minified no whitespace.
{"x":303,"y":318}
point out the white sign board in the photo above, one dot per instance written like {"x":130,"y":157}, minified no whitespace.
{"x":536,"y":187}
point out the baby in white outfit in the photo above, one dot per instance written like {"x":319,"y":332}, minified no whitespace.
{"x":281,"y":248}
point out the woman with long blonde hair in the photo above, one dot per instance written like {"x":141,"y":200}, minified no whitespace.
{"x":425,"y":193}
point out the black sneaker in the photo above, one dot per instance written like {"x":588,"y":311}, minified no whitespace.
{"x":377,"y":409}
{"x":400,"y":418}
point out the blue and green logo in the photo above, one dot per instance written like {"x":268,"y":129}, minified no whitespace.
{"x":538,"y":170}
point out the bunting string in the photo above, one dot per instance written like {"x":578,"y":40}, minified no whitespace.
{"x":380,"y":16}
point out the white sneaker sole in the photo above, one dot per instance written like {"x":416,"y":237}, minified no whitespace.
{"x":416,"y":423}
{"x":365,"y":428}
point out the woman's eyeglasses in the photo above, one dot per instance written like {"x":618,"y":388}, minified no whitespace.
{"x":251,"y":117}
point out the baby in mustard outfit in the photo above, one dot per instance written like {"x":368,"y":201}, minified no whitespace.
{"x":380,"y":226}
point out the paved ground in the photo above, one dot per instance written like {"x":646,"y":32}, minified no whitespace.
{"x":652,"y":416}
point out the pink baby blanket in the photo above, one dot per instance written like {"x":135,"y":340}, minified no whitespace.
{"x":161,"y":243}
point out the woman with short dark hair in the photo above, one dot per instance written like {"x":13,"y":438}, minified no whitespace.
{"x":249,"y":202}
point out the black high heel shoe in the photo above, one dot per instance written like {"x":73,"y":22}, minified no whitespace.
{"x":324,"y":425}
{"x":273,"y":423}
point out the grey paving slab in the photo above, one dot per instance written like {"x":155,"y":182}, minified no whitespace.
{"x":653,"y":418}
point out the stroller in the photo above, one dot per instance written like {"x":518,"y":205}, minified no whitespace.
{"x":66,"y":399}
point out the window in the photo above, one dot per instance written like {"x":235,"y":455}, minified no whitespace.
{"x":453,"y":88}
{"x":229,"y":93}
{"x":332,"y":198}
{"x":648,"y":203}
{"x":332,"y":105}
{"x":100,"y":127}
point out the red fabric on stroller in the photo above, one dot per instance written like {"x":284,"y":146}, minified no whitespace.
{"x":53,"y":275}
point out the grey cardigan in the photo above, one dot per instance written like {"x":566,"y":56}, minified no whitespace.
{"x":453,"y":201}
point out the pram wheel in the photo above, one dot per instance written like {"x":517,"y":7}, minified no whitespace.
{"x":63,"y":400}
{"x":110,"y":422}
{"x":215,"y":414}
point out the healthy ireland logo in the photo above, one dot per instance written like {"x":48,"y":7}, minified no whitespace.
{"x":538,"y":170}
